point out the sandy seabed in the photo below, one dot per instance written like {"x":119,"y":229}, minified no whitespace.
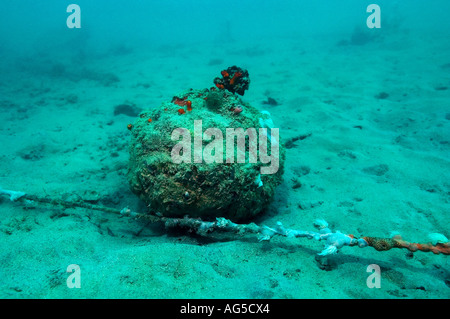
{"x":376,"y":160}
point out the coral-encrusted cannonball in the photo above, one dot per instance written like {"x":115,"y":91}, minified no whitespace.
{"x":161,"y":175}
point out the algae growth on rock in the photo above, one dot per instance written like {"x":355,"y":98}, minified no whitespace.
{"x":233,"y":190}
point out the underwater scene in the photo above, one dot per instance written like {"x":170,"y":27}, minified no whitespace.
{"x":247,"y":149}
